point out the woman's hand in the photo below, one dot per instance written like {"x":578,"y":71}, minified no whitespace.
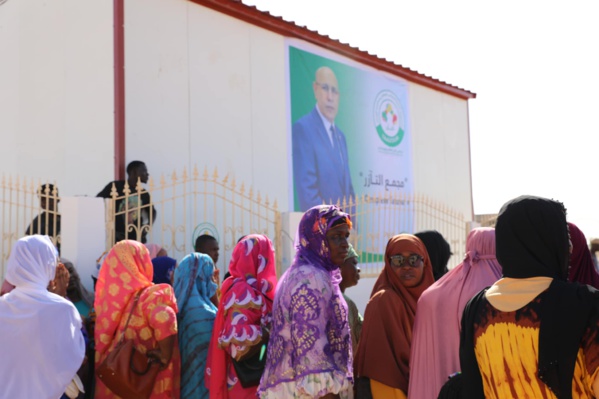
{"x":155,"y":355}
{"x":216,"y":280}
{"x":256,"y":347}
{"x":60,"y":283}
{"x":164,"y":352}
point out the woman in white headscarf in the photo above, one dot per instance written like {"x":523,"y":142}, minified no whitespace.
{"x":40,"y":335}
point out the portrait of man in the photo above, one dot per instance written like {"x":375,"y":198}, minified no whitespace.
{"x":319,"y":149}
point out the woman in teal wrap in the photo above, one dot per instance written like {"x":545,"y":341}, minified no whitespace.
{"x":194,"y":285}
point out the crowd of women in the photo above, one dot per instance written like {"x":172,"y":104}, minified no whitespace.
{"x":518,"y":318}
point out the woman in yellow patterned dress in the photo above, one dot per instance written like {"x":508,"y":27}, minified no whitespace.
{"x":531,"y":334}
{"x":127,"y":271}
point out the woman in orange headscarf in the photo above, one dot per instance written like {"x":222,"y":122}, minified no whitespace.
{"x":384,"y":352}
{"x":127,"y":271}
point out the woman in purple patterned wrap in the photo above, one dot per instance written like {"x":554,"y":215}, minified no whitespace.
{"x":309,"y":352}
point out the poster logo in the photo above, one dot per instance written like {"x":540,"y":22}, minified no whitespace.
{"x":204,"y":228}
{"x":388,"y":118}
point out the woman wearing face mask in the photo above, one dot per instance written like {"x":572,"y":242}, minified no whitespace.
{"x":193,"y":288}
{"x":309,"y":352}
{"x":384,"y":351}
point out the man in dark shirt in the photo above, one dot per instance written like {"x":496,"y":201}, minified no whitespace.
{"x":47,"y":222}
{"x":140,"y":213}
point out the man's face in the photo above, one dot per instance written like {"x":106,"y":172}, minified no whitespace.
{"x":326,"y":91}
{"x":210,"y":248}
{"x":142,"y":173}
{"x":47,"y":203}
{"x":47,"y":198}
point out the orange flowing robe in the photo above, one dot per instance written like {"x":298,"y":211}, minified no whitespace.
{"x":154,"y":319}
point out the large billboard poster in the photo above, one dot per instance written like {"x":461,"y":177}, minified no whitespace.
{"x":350,"y":130}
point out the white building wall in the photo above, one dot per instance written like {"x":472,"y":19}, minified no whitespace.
{"x":56,"y":92}
{"x":441,"y":146}
{"x":157,"y":84}
{"x":205,"y":89}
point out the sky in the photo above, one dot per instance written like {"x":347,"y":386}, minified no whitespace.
{"x":534,"y":66}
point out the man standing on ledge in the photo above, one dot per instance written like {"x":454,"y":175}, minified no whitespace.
{"x":137,"y":206}
{"x":320,"y":162}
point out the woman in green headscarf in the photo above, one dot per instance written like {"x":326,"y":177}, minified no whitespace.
{"x":350,"y":274}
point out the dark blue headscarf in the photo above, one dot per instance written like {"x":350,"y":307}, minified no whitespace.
{"x":163,"y":269}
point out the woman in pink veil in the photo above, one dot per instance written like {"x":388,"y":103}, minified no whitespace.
{"x":435,"y":346}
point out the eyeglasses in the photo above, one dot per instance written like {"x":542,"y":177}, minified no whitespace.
{"x":329,"y":89}
{"x":400,"y":260}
